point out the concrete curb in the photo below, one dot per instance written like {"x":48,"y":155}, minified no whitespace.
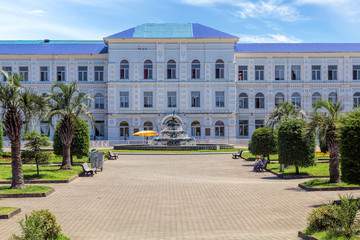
{"x":10,"y":214}
{"x":328,"y":189}
{"x":205,"y":153}
{"x":305,"y":237}
{"x":288,"y":176}
{"x":27,"y":195}
{"x":46,"y":181}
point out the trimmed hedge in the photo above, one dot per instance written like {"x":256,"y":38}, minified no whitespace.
{"x":263,"y":141}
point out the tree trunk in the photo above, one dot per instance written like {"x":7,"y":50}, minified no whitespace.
{"x":71,"y":158}
{"x":13,"y":123}
{"x":37,"y":167}
{"x":67,"y":131}
{"x":297,"y":170}
{"x":332,"y":144}
{"x":268,"y":157}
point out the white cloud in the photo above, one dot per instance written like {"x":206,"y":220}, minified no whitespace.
{"x":268,"y":38}
{"x":37,"y":12}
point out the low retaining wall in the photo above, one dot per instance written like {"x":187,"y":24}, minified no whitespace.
{"x":10,"y":214}
{"x":173,"y":148}
{"x":27,"y":195}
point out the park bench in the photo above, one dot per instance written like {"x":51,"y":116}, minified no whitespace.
{"x":237,"y":155}
{"x":87,"y":170}
{"x":263,"y":167}
{"x":112,"y":156}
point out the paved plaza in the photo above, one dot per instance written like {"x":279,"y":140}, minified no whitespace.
{"x":176,"y":197}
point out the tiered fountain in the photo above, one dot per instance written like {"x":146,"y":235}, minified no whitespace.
{"x":173,"y":135}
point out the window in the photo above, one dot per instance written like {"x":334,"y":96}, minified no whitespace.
{"x":332,"y":72}
{"x":296,"y":99}
{"x":279,"y":98}
{"x":242,"y":74}
{"x":171,"y":69}
{"x":44,"y":74}
{"x":99,"y":73}
{"x":124,"y":130}
{"x":24,"y":73}
{"x":148,"y":125}
{"x":45,"y":128}
{"x":60,"y":74}
{"x":195,"y":99}
{"x":356,"y":72}
{"x":195,"y":69}
{"x":148,"y":99}
{"x":259,"y":72}
{"x":219,"y":69}
{"x":259,"y":100}
{"x":219,"y":129}
{"x":124,"y":99}
{"x":99,"y":130}
{"x":243,"y":128}
{"x":357,"y":99}
{"x":316,"y":96}
{"x":332,"y":97}
{"x":195,"y":129}
{"x":279,"y":72}
{"x":136,"y":130}
{"x":8,"y":70}
{"x":124,"y":69}
{"x":259,"y":124}
{"x":243,"y":100}
{"x":207,"y":131}
{"x":171,"y":99}
{"x":148,"y":69}
{"x":295,"y":72}
{"x":219,"y":99}
{"x":316,"y":72}
{"x":99,"y":101}
{"x":82,"y":74}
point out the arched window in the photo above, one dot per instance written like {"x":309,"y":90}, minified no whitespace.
{"x":148,"y":125}
{"x":148,"y":69}
{"x":124,"y":69}
{"x":259,"y":100}
{"x":195,"y":129}
{"x":219,"y":129}
{"x":195,"y":69}
{"x":332,"y":97}
{"x":316,"y":96}
{"x":99,"y":101}
{"x":243,"y":100}
{"x":124,"y":130}
{"x":171,"y":69}
{"x":357,"y":99}
{"x":279,"y":98}
{"x":296,"y":99}
{"x":219,"y":69}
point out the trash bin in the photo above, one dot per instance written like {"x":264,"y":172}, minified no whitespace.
{"x":97,"y":160}
{"x":282,"y":167}
{"x":217,"y":147}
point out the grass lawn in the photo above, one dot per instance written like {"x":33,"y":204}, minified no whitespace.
{"x":6,"y":210}
{"x":46,"y":173}
{"x":321,"y":169}
{"x":323,"y":183}
{"x":231,"y":150}
{"x":54,"y":159}
{"x":329,"y":235}
{"x":28,"y":189}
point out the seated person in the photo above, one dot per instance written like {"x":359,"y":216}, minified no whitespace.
{"x":260,"y":163}
{"x":256,"y":162}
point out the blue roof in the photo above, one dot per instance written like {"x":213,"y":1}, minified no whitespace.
{"x":52,"y":47}
{"x":296,"y":47}
{"x":171,"y":30}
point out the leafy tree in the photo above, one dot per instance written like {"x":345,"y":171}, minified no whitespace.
{"x":68,"y":103}
{"x":35,"y":142}
{"x":349,"y":131}
{"x":283,"y":112}
{"x":80,"y":144}
{"x":324,"y":121}
{"x":293,"y":149}
{"x":263,"y":141}
{"x":13,"y":107}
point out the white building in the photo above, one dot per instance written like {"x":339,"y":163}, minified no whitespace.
{"x":220,"y":90}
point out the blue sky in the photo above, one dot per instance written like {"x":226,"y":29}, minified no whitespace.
{"x":251,"y":20}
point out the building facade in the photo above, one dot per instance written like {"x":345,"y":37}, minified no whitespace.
{"x":219,"y":89}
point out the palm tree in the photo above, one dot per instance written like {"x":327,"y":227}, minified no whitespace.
{"x":283,"y":111}
{"x":12,"y":98}
{"x":67,"y":102}
{"x":324,"y":122}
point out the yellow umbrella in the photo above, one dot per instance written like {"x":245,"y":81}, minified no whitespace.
{"x":146,"y":133}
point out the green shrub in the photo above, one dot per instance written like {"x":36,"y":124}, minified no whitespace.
{"x":39,"y":225}
{"x":263,"y":141}
{"x":322,"y":218}
{"x":350,"y":147}
{"x":293,"y":148}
